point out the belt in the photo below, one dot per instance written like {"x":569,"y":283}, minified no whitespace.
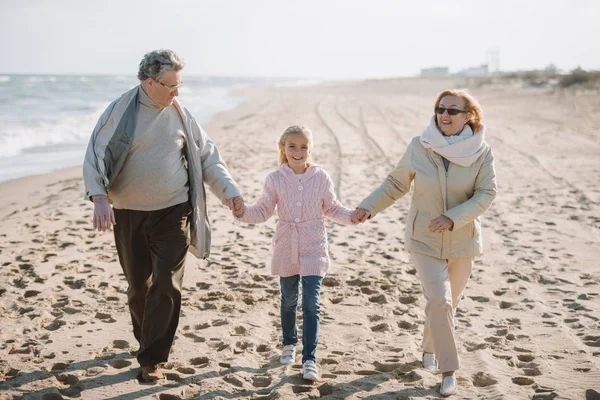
{"x":284,"y":226}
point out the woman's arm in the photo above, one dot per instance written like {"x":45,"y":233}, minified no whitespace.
{"x":485,"y":192}
{"x":264,"y":207}
{"x":396,"y":185}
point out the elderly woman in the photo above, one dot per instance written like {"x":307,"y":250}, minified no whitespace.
{"x":452,"y":168}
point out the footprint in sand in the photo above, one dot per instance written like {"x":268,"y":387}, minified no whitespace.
{"x":331,"y":282}
{"x":60,"y":366}
{"x":481,"y":379}
{"x":217,"y":344}
{"x":199,"y":362}
{"x":120,"y":364}
{"x":71,"y":383}
{"x":168,"y":396}
{"x":220,"y":322}
{"x":194,"y":337}
{"x":407,"y":325}
{"x":381,"y":327}
{"x":261,"y":381}
{"x":378,"y":299}
{"x":531,"y":369}
{"x":186,"y":370}
{"x":239,"y":331}
{"x":523,"y":381}
{"x":470,"y":346}
{"x":407,"y":299}
{"x":234,"y":380}
{"x":368,"y":291}
{"x":120,"y":344}
{"x":263,"y":348}
{"x":242,"y":346}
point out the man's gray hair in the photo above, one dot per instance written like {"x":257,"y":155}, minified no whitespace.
{"x":157,"y":62}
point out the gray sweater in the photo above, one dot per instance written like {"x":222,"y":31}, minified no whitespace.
{"x":154,"y":175}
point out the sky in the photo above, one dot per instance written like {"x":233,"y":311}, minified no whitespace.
{"x":311,"y":38}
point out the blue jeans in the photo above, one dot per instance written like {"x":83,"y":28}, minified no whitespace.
{"x":311,"y":288}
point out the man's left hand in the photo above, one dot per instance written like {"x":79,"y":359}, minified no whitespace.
{"x":441,"y":224}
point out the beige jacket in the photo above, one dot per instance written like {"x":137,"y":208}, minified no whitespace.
{"x":462,"y":194}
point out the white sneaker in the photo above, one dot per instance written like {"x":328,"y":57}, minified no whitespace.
{"x":310,"y":371}
{"x":429,"y":361}
{"x":288,"y":354}
{"x":448,"y":386}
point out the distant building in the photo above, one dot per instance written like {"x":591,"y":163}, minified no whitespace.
{"x":434,"y":72}
{"x":482,"y":70}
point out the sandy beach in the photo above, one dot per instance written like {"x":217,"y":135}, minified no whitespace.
{"x":528,"y":326}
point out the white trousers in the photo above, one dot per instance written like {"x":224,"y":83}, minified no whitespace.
{"x":443,"y":283}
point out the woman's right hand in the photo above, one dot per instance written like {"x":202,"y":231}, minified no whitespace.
{"x":360,"y":215}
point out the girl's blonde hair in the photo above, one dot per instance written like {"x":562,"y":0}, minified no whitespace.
{"x":293,"y":130}
{"x":471,"y":105}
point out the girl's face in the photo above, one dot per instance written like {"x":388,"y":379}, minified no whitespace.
{"x":297,"y":149}
{"x":452,"y":124}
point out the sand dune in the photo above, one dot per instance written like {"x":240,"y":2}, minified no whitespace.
{"x":528,"y":327}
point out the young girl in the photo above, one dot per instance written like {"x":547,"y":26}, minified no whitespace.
{"x":303,"y":193}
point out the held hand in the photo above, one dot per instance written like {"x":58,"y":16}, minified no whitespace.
{"x":360,"y":215}
{"x":104,"y":216}
{"x":237,"y":206}
{"x":441,"y":224}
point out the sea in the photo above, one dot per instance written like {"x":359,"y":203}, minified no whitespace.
{"x":46,"y":120}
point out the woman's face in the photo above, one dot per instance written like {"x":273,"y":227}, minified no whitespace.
{"x":451,"y":124}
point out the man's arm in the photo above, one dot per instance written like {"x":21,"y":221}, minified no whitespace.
{"x":214,"y":170}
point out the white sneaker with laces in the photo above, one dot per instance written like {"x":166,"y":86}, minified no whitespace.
{"x":310,"y":371}
{"x":288,"y":354}
{"x":429,"y":361}
{"x":448,"y":386}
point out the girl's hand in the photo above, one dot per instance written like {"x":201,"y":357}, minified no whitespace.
{"x":360,"y":215}
{"x":239,"y":208}
{"x":441,"y":224}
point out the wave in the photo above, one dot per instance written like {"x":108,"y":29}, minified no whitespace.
{"x":4,"y":78}
{"x":38,"y":78}
{"x":15,"y":139}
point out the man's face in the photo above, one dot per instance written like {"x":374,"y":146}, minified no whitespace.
{"x":164,"y":92}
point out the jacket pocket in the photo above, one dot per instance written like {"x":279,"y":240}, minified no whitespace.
{"x":421,"y":233}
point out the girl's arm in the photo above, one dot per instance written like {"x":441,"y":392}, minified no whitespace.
{"x":264,"y":207}
{"x":396,"y":185}
{"x":332,"y":208}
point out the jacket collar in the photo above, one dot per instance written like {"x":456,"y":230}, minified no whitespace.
{"x":291,"y":177}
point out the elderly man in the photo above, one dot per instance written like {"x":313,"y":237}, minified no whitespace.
{"x":150,"y":159}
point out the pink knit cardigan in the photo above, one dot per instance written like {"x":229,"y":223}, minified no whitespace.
{"x":300,"y":245}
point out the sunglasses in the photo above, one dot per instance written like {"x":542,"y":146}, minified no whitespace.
{"x":451,"y":111}
{"x":170,"y":88}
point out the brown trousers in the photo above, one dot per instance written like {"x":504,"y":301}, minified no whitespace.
{"x":443,"y":283}
{"x":152,"y":246}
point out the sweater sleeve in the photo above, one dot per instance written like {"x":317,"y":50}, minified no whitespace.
{"x":264,"y":207}
{"x":485,"y":193}
{"x":396,"y":185}
{"x":332,"y":208}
